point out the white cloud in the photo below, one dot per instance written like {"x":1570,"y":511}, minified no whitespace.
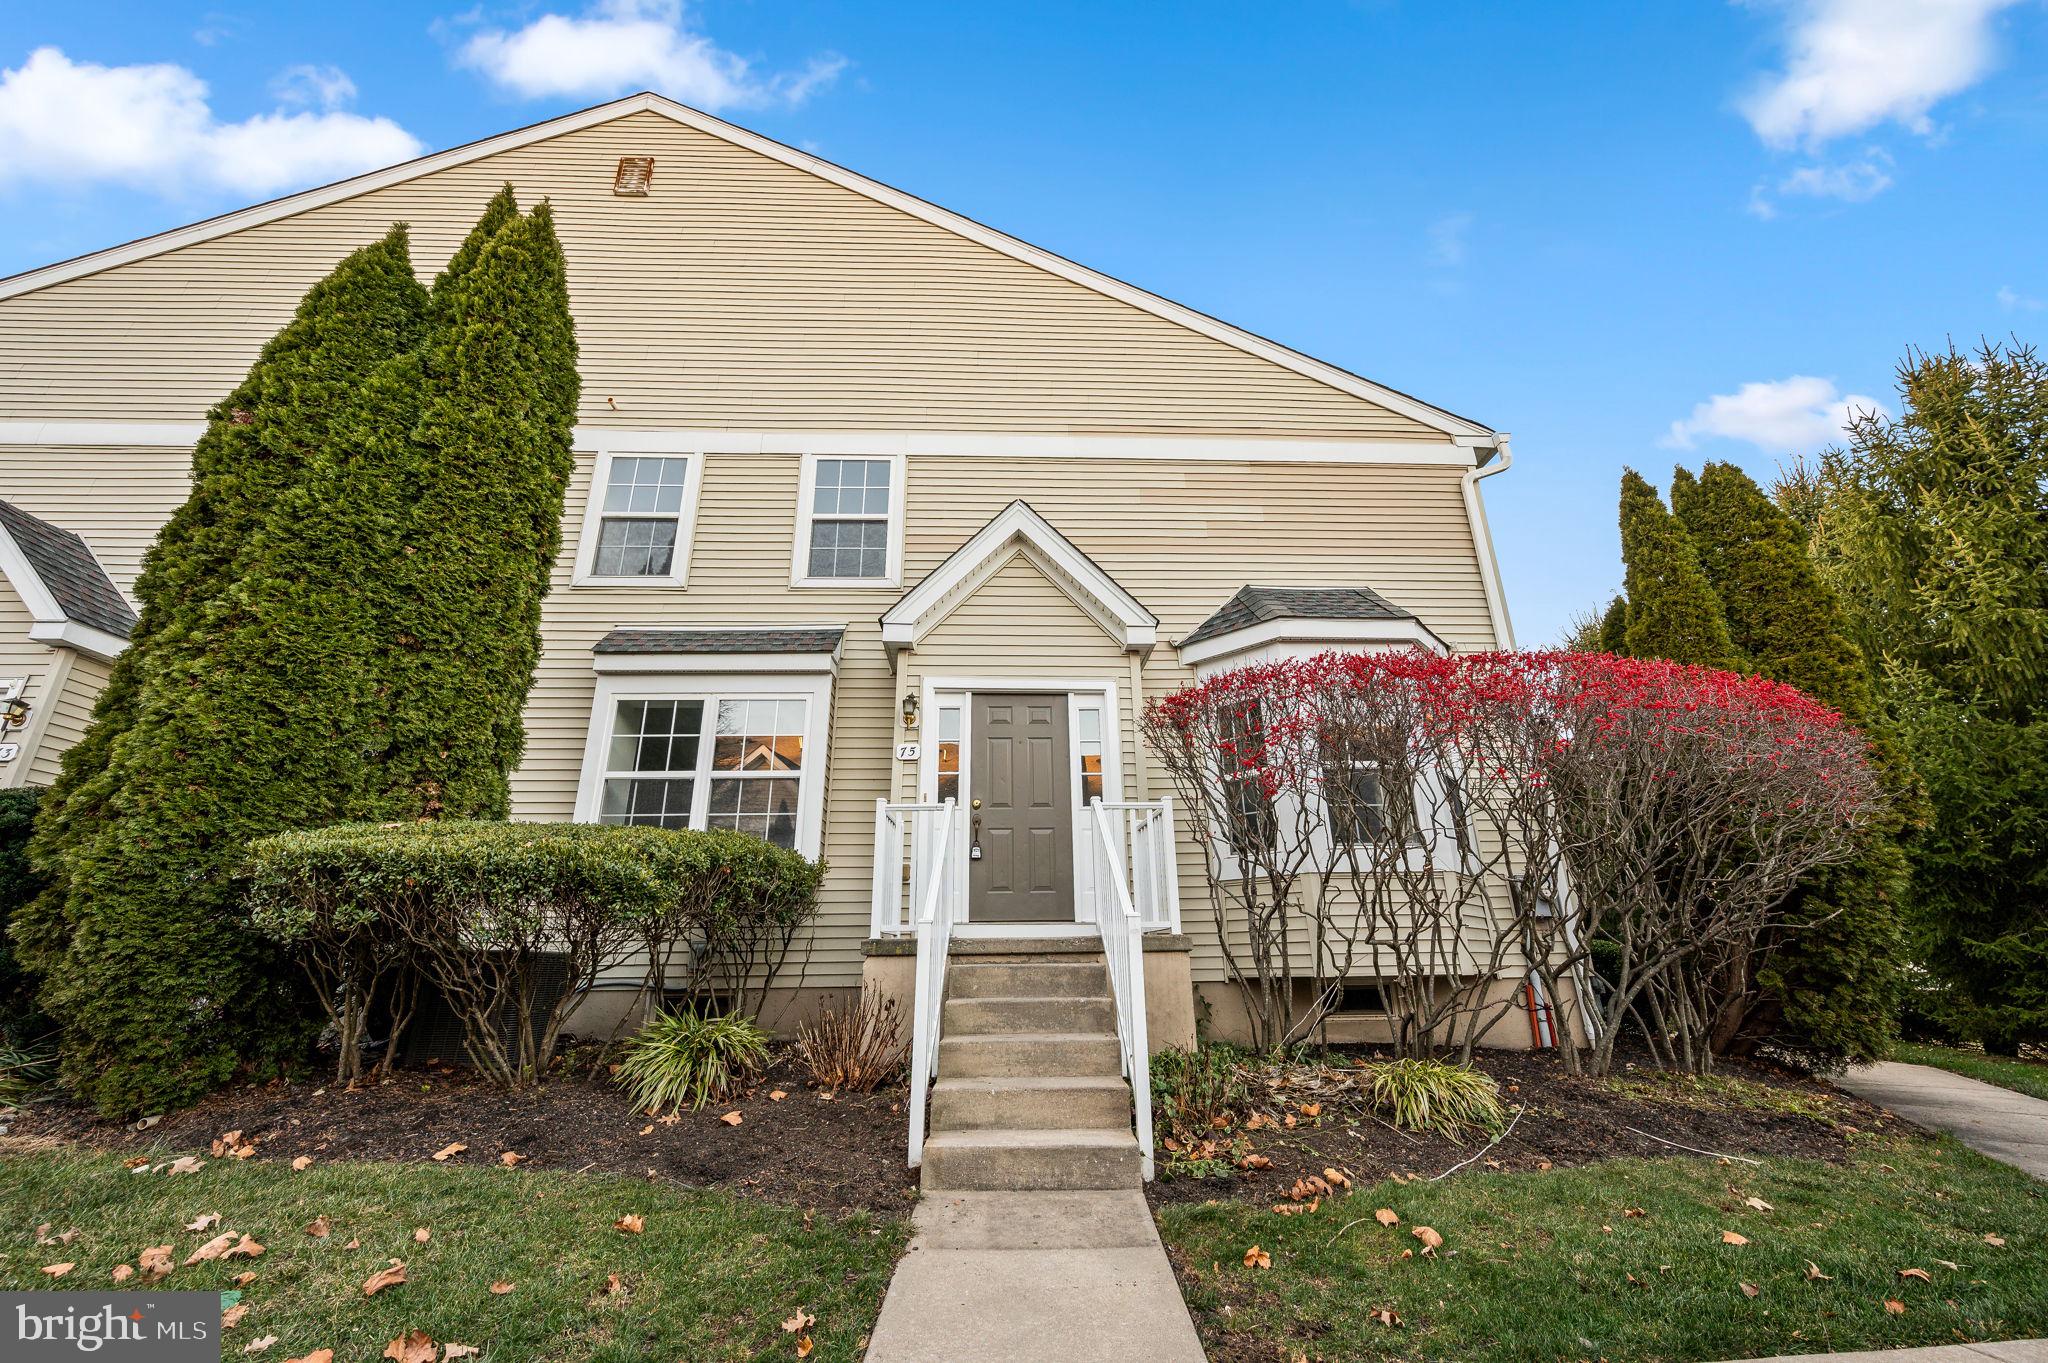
{"x":150,"y":127}
{"x":1788,"y":416}
{"x":1857,"y":180}
{"x":326,"y":86}
{"x":1449,"y":239}
{"x":1853,"y":64}
{"x":621,"y":45}
{"x":2012,"y":300}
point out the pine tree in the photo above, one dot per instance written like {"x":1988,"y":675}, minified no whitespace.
{"x":1832,"y":976}
{"x":158,"y":987}
{"x":1933,"y":529}
{"x":1672,"y":611}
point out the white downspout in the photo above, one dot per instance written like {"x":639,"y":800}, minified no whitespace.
{"x":1482,"y":537}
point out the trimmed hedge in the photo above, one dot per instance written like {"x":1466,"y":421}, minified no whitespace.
{"x":19,"y":884}
{"x":473,"y":906}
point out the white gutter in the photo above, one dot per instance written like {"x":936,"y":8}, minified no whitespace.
{"x":1482,"y":537}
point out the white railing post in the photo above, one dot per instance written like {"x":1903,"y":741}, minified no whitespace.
{"x":933,"y":917}
{"x":1123,"y":950}
{"x":888,"y":872}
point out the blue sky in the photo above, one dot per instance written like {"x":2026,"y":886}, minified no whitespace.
{"x":1629,"y":234}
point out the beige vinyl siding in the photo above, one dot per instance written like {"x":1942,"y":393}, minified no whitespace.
{"x":742,"y":293}
{"x":115,"y":497}
{"x":70,"y":711}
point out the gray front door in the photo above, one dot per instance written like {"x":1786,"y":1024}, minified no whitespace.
{"x":1021,"y":808}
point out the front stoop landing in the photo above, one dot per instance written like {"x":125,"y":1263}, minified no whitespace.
{"x":1030,"y":1094}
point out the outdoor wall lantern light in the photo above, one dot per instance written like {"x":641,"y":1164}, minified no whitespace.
{"x":15,"y":713}
{"x":910,"y":710}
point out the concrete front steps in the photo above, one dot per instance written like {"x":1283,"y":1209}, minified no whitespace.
{"x":1030,"y":1094}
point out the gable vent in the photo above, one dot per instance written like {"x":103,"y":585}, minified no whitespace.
{"x":636,"y":173}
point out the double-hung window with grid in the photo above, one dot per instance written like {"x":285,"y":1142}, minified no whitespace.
{"x":638,"y":528}
{"x":851,"y":516}
{"x":660,"y":769}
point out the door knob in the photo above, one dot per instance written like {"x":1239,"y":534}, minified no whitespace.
{"x":974,"y":804}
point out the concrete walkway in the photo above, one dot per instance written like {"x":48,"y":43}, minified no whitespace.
{"x":1998,"y":1122}
{"x":2010,"y":1351}
{"x":1045,"y":1277}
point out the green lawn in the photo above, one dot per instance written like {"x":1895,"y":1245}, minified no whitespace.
{"x":712,"y":1276}
{"x":2022,"y":1076}
{"x":1553,"y":1266}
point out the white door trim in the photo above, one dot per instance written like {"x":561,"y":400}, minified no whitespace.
{"x":944,"y":690}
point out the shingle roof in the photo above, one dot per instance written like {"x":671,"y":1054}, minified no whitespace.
{"x":68,"y":570}
{"x":1258,"y":605}
{"x":821,"y":640}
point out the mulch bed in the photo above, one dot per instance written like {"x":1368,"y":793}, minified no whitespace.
{"x":834,"y":1153}
{"x":1568,"y":1120}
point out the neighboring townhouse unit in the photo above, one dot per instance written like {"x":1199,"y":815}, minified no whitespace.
{"x":876,"y":508}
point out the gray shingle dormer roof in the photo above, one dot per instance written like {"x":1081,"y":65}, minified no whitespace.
{"x":1261,"y":605}
{"x":812,"y":640}
{"x":69,"y":572}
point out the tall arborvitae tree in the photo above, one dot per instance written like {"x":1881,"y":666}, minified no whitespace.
{"x":382,"y":626}
{"x":255,"y":446}
{"x":1672,"y":611}
{"x":1831,"y":978}
{"x":1614,"y":627}
{"x":162,"y":988}
{"x":493,"y":457}
{"x":1934,"y":531}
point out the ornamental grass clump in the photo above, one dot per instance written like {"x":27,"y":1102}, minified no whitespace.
{"x":857,"y":1049}
{"x":1431,"y":1095}
{"x":689,"y":1059}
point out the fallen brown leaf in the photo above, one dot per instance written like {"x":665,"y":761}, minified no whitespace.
{"x":1996,"y":1240}
{"x":384,"y":1277}
{"x":422,"y":1235}
{"x":1255,"y":1162}
{"x":1431,"y":1241}
{"x":123,"y":1272}
{"x":1386,"y":1217}
{"x":1633,"y":1211}
{"x":500,"y":1287}
{"x":632,"y":1223}
{"x":1386,"y":1316}
{"x":43,"y":1236}
{"x":1950,"y":1264}
{"x":212,"y":1249}
{"x":317,"y":1356}
{"x":184,"y":1164}
{"x":511,"y":1158}
{"x":1918,"y":1273}
{"x":802,"y":1320}
{"x":1814,"y":1275}
{"x":320,"y":1227}
{"x":244,"y":1279}
{"x":353,"y":1244}
{"x":1894,"y":1307}
{"x":301,"y":1164}
{"x":449,"y":1151}
{"x":612,"y":1286}
{"x":804,"y":1347}
{"x":155,"y":1261}
{"x":1311,"y":1109}
{"x":776,"y":1095}
{"x":459,"y":1351}
{"x":244,"y":1248}
{"x":1758,"y":1204}
{"x":1729,"y":1237}
{"x":732,"y":1119}
{"x":232,"y":1317}
{"x":58,"y":1270}
{"x":1292,"y":1208}
{"x":259,"y":1344}
{"x":1337,"y":1177}
{"x":415,"y":1346}
{"x":647,"y":1130}
{"x":206,"y":1222}
{"x":1257,"y":1258}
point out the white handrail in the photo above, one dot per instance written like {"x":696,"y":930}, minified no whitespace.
{"x":935,"y":916}
{"x":894,"y":901}
{"x":1147,"y":829}
{"x":1123,"y":951}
